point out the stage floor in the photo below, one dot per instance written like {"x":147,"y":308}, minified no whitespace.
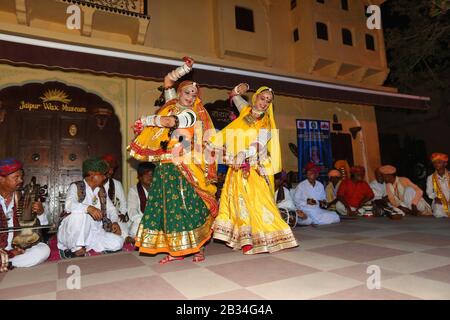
{"x":331,"y":263}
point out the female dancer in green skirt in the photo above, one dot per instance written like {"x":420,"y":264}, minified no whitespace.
{"x":181,"y":203}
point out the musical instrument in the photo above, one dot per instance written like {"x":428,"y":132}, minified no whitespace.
{"x":29,"y":223}
{"x":7,"y":230}
{"x":392,"y":214}
{"x":290,"y":217}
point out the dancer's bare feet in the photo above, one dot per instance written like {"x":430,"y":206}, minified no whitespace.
{"x":199,"y":256}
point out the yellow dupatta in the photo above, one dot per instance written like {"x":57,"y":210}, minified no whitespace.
{"x":440,"y":195}
{"x":239,"y":135}
{"x":201,"y":175}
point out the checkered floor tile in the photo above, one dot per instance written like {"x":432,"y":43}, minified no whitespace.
{"x":410,"y":258}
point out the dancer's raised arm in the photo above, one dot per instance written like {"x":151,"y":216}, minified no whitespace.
{"x":174,"y":76}
{"x":185,"y":119}
{"x":236,"y":95}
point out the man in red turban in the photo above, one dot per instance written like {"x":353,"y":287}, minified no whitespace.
{"x":438,"y":186}
{"x":11,"y":180}
{"x":310,"y":198}
{"x":9,"y":166}
{"x":354,"y":194}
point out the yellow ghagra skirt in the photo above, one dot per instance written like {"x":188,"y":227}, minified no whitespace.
{"x":248,"y":215}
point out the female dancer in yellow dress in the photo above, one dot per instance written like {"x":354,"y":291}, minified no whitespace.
{"x":248,"y":216}
{"x":181,"y":202}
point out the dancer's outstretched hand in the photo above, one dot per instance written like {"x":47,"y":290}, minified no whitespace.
{"x":138,"y":127}
{"x":168,"y":122}
{"x":189,"y":61}
{"x":240,"y":89}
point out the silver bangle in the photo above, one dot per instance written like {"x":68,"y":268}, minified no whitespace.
{"x":152,"y":121}
{"x":158,"y":121}
{"x":170,"y":94}
{"x":179,"y":72}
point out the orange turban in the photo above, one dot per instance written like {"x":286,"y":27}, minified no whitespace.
{"x":334,"y":173}
{"x":388,"y":169}
{"x":343,"y":166}
{"x":439,"y":156}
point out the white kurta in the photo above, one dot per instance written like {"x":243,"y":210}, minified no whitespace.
{"x":33,"y":256}
{"x":379,"y":189}
{"x":288,"y":202}
{"x":405,"y":196}
{"x":438,"y":209}
{"x":79,"y":229}
{"x":120,"y":203}
{"x":316,"y":215}
{"x":134,"y":210}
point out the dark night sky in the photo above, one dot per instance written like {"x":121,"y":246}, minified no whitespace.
{"x":391,"y":20}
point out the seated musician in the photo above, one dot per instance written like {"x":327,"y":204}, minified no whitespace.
{"x":403,"y":195}
{"x":11,"y":180}
{"x":116,"y":194}
{"x":380,"y":200}
{"x":310,"y":198}
{"x":90,"y":220}
{"x":137,"y":197}
{"x":335,"y":179}
{"x":355,"y":195}
{"x":283,"y":196}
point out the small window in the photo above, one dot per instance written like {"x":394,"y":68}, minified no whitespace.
{"x":244,"y":19}
{"x":370,"y":42}
{"x":320,"y":1}
{"x":322,"y":31}
{"x":295,"y":35}
{"x":293,"y":4}
{"x":347,"y":37}
{"x":344,"y":4}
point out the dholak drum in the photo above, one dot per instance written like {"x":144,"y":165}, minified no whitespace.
{"x":290,"y":217}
